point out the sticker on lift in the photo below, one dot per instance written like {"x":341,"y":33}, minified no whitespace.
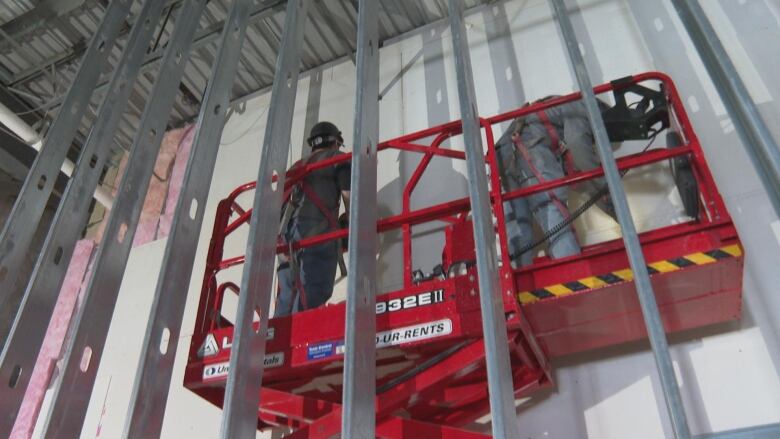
{"x":213,"y":371}
{"x":323,"y":350}
{"x":407,"y":334}
{"x":409,"y":302}
{"x":209,"y":348}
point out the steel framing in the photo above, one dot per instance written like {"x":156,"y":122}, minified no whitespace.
{"x":753,"y":131}
{"x":150,"y":391}
{"x":90,"y":326}
{"x":244,"y":393}
{"x":502,"y":407}
{"x":359,"y":414}
{"x":652,"y":317}
{"x":246,"y":360}
{"x":24,"y":218}
{"x":46,"y":280}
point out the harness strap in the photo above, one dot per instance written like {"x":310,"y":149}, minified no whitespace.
{"x":527,"y":156}
{"x":311,"y":195}
{"x":555,"y":141}
{"x":295,"y":272}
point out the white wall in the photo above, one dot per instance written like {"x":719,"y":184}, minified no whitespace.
{"x":728,"y":374}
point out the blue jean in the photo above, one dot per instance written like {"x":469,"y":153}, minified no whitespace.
{"x":525,"y":167}
{"x":316,"y":270}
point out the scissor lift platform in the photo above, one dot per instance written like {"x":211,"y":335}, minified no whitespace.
{"x":431,"y":376}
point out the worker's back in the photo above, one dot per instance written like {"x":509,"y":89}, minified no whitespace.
{"x":325,"y":183}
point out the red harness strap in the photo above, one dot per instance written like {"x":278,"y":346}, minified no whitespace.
{"x":539,"y":178}
{"x":310,"y":194}
{"x":555,"y":142}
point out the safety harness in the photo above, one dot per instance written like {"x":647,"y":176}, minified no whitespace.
{"x":294,"y":196}
{"x":555,"y":146}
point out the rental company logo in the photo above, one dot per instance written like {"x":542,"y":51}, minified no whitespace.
{"x":219,"y":370}
{"x":209,"y":348}
{"x":407,"y":334}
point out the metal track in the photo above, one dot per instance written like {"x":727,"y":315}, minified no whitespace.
{"x":359,"y":412}
{"x":655,"y":328}
{"x":499,"y":371}
{"x":23,"y":221}
{"x":750,"y":126}
{"x":72,"y":213}
{"x":242,"y":393}
{"x":153,"y":379}
{"x":90,"y":327}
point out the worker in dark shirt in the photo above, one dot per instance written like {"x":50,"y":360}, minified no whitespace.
{"x":306,"y":277}
{"x":540,"y":147}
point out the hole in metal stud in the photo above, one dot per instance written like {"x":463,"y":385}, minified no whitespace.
{"x":120,"y":236}
{"x":165,"y":339}
{"x":86,"y":357}
{"x":16,"y":373}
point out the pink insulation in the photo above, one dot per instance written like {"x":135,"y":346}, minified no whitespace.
{"x":155,"y":223}
{"x":176,"y":180}
{"x":164,"y":186}
{"x":52,"y":346}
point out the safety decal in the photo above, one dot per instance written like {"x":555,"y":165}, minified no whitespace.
{"x":218,"y":370}
{"x":323,"y":350}
{"x":663,"y":266}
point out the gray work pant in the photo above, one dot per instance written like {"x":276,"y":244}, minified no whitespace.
{"x":532,"y":164}
{"x":316,"y":270}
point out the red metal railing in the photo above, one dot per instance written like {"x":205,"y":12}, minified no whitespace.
{"x":713,"y":209}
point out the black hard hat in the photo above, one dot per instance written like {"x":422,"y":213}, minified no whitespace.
{"x":322,"y":134}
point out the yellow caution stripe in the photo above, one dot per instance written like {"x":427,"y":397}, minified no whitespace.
{"x":663,"y":266}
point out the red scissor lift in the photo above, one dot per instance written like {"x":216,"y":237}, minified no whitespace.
{"x":431,"y":362}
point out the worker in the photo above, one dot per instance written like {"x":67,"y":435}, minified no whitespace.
{"x":540,"y":147}
{"x":306,"y":277}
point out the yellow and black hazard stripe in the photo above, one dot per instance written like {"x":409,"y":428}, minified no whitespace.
{"x":663,"y":266}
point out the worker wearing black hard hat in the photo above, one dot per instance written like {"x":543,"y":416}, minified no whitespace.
{"x":306,"y":277}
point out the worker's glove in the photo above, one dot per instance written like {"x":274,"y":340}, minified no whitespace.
{"x":344,"y":224}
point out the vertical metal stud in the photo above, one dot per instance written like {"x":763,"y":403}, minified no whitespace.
{"x":20,"y":226}
{"x":502,"y":399}
{"x":242,"y":392}
{"x":761,"y":147}
{"x":72,"y":213}
{"x":653,"y":323}
{"x":153,"y":379}
{"x":82,"y":356}
{"x":359,"y":416}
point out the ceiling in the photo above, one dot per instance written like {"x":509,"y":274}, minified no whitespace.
{"x":42,"y":41}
